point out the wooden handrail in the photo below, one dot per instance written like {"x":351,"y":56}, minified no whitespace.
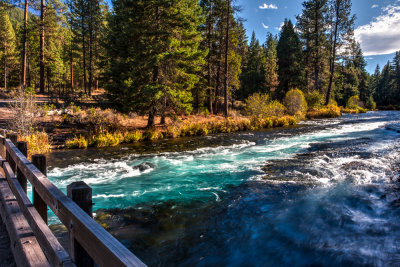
{"x":24,"y":244}
{"x":97,"y":242}
{"x":54,"y":252}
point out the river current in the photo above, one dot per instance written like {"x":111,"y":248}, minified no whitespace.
{"x":324,"y":193}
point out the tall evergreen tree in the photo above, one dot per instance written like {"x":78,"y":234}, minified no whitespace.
{"x":290,"y":67}
{"x":24,"y":45}
{"x":158,"y":70}
{"x":312,"y":24}
{"x":341,"y":25}
{"x":271,"y":65}
{"x":42,"y":29}
{"x":253,"y":76}
{"x":215,"y":42}
{"x":396,"y":76}
{"x":7,"y":45}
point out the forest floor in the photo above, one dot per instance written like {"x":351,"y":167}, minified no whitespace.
{"x":59,"y":130}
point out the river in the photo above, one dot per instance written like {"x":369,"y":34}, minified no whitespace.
{"x":324,"y":193}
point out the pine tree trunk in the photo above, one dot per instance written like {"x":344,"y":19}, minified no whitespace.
{"x":72,"y":51}
{"x":163,"y":115}
{"x":84,"y":54}
{"x":332,"y":62}
{"x":150,"y":122}
{"x":42,"y":81}
{"x":216,"y":91}
{"x":226,"y":61}
{"x":210,"y":89}
{"x":5,"y":66}
{"x":218,"y":78}
{"x":317,"y":53}
{"x":90,"y":47}
{"x":24,"y":46}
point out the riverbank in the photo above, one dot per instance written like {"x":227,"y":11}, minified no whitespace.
{"x":75,"y":127}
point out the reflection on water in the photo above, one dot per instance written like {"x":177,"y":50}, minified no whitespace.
{"x":320,"y":194}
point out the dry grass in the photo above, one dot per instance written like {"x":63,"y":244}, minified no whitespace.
{"x":190,"y":126}
{"x":38,"y":143}
{"x":329,"y":111}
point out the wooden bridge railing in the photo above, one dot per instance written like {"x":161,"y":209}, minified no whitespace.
{"x":34,"y":243}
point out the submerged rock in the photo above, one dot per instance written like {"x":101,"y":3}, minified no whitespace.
{"x":144,"y":166}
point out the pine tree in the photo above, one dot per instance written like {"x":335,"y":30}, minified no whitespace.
{"x":374,"y":81}
{"x":312,"y":24}
{"x":290,"y":67}
{"x":396,"y":77}
{"x":156,"y":72}
{"x":383,"y":91}
{"x":42,"y":29}
{"x":271,"y":65}
{"x":363,"y":77}
{"x":215,"y":42}
{"x":341,"y":24}
{"x":7,"y":45}
{"x":253,"y":76}
{"x":24,"y":45}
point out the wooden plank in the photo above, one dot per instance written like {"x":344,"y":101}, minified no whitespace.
{"x":25,"y":248}
{"x":55,"y":253}
{"x":97,"y":242}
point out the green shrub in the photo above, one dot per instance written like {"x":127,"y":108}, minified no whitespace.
{"x":255,"y":104}
{"x":333,"y":102}
{"x":361,"y":110}
{"x":131,"y":137}
{"x":281,"y":122}
{"x":152,"y":135}
{"x":314,"y":99}
{"x":173,"y":131}
{"x":275,"y":108}
{"x":295,"y":102}
{"x":370,"y":104}
{"x":352,"y":103}
{"x":76,"y":142}
{"x":260,"y":105}
{"x":106,"y":139}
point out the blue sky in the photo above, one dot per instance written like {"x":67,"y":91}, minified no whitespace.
{"x":377,"y":24}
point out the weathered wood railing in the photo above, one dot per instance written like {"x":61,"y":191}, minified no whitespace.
{"x":33,"y":242}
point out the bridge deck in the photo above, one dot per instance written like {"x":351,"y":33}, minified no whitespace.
{"x":6,"y":255}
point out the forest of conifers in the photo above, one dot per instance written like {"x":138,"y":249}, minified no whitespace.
{"x":151,"y":56}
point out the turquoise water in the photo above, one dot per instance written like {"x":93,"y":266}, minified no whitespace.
{"x":321,"y":193}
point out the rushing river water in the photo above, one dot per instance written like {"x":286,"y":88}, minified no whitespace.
{"x":324,"y":193}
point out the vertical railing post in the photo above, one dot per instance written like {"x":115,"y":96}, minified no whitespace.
{"x":81,"y":194}
{"x":2,"y":147}
{"x":40,"y":162}
{"x":23,"y":147}
{"x":14,"y":138}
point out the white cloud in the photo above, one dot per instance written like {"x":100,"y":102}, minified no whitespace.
{"x":265,"y":26}
{"x":382,"y":35}
{"x":266,"y":6}
{"x":374,"y":6}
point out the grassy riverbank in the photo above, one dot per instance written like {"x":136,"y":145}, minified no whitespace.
{"x":77,"y":127}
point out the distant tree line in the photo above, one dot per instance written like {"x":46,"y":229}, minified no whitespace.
{"x":168,"y":57}
{"x":385,"y":84}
